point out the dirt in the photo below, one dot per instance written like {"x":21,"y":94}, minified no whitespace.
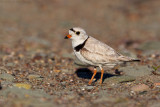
{"x":38,"y":67}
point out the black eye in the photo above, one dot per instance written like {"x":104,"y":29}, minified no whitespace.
{"x":78,"y":33}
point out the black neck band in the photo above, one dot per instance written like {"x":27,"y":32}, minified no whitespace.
{"x":80,"y":46}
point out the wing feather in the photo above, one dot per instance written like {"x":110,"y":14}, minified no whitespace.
{"x":98,"y":52}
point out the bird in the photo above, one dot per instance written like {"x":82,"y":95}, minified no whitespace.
{"x":95,"y":53}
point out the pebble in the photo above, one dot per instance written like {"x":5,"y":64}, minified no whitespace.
{"x":87,"y":87}
{"x":7,"y":77}
{"x":3,"y":70}
{"x":119,"y":79}
{"x":136,"y":71}
{"x":63,"y":83}
{"x":22,"y":93}
{"x":140,"y":88}
{"x":10,"y":64}
{"x":22,"y":85}
{"x":157,"y":84}
{"x":65,"y":70}
{"x":57,"y":71}
{"x":33,"y":76}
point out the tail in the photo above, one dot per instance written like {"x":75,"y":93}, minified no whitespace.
{"x":128,"y":59}
{"x":133,"y":60}
{"x":136,"y":60}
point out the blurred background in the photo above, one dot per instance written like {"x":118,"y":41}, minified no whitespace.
{"x":37,"y":67}
{"x":42,"y":24}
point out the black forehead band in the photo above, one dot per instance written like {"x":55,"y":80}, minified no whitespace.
{"x":72,"y":30}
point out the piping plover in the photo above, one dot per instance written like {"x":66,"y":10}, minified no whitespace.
{"x":93,"y":52}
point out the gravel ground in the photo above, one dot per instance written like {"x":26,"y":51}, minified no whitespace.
{"x":39,"y":69}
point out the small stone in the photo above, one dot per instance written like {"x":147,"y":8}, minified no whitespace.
{"x":23,"y":85}
{"x":5,"y":84}
{"x":33,"y":76}
{"x":57,"y":71}
{"x":3,"y":70}
{"x":119,"y":79}
{"x":7,"y":77}
{"x":65,"y":70}
{"x":63,"y":83}
{"x":10,"y":64}
{"x":140,"y":88}
{"x":136,"y":71}
{"x":87,"y":87}
{"x":157,"y":84}
{"x":22,"y":93}
{"x":21,"y":56}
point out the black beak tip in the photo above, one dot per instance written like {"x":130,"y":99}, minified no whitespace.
{"x":65,"y":37}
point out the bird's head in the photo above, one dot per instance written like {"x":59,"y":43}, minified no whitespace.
{"x":76,"y":33}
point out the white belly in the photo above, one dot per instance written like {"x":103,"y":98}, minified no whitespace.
{"x":82,"y":59}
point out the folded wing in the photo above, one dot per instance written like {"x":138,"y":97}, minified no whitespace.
{"x":100,"y":53}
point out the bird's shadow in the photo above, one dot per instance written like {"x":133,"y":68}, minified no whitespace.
{"x":87,"y":74}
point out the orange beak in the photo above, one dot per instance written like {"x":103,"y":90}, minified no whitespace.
{"x":68,"y":36}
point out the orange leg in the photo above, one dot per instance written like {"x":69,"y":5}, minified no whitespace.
{"x":102,"y":72}
{"x":95,"y":71}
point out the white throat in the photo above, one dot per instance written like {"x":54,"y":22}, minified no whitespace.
{"x":78,"y":42}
